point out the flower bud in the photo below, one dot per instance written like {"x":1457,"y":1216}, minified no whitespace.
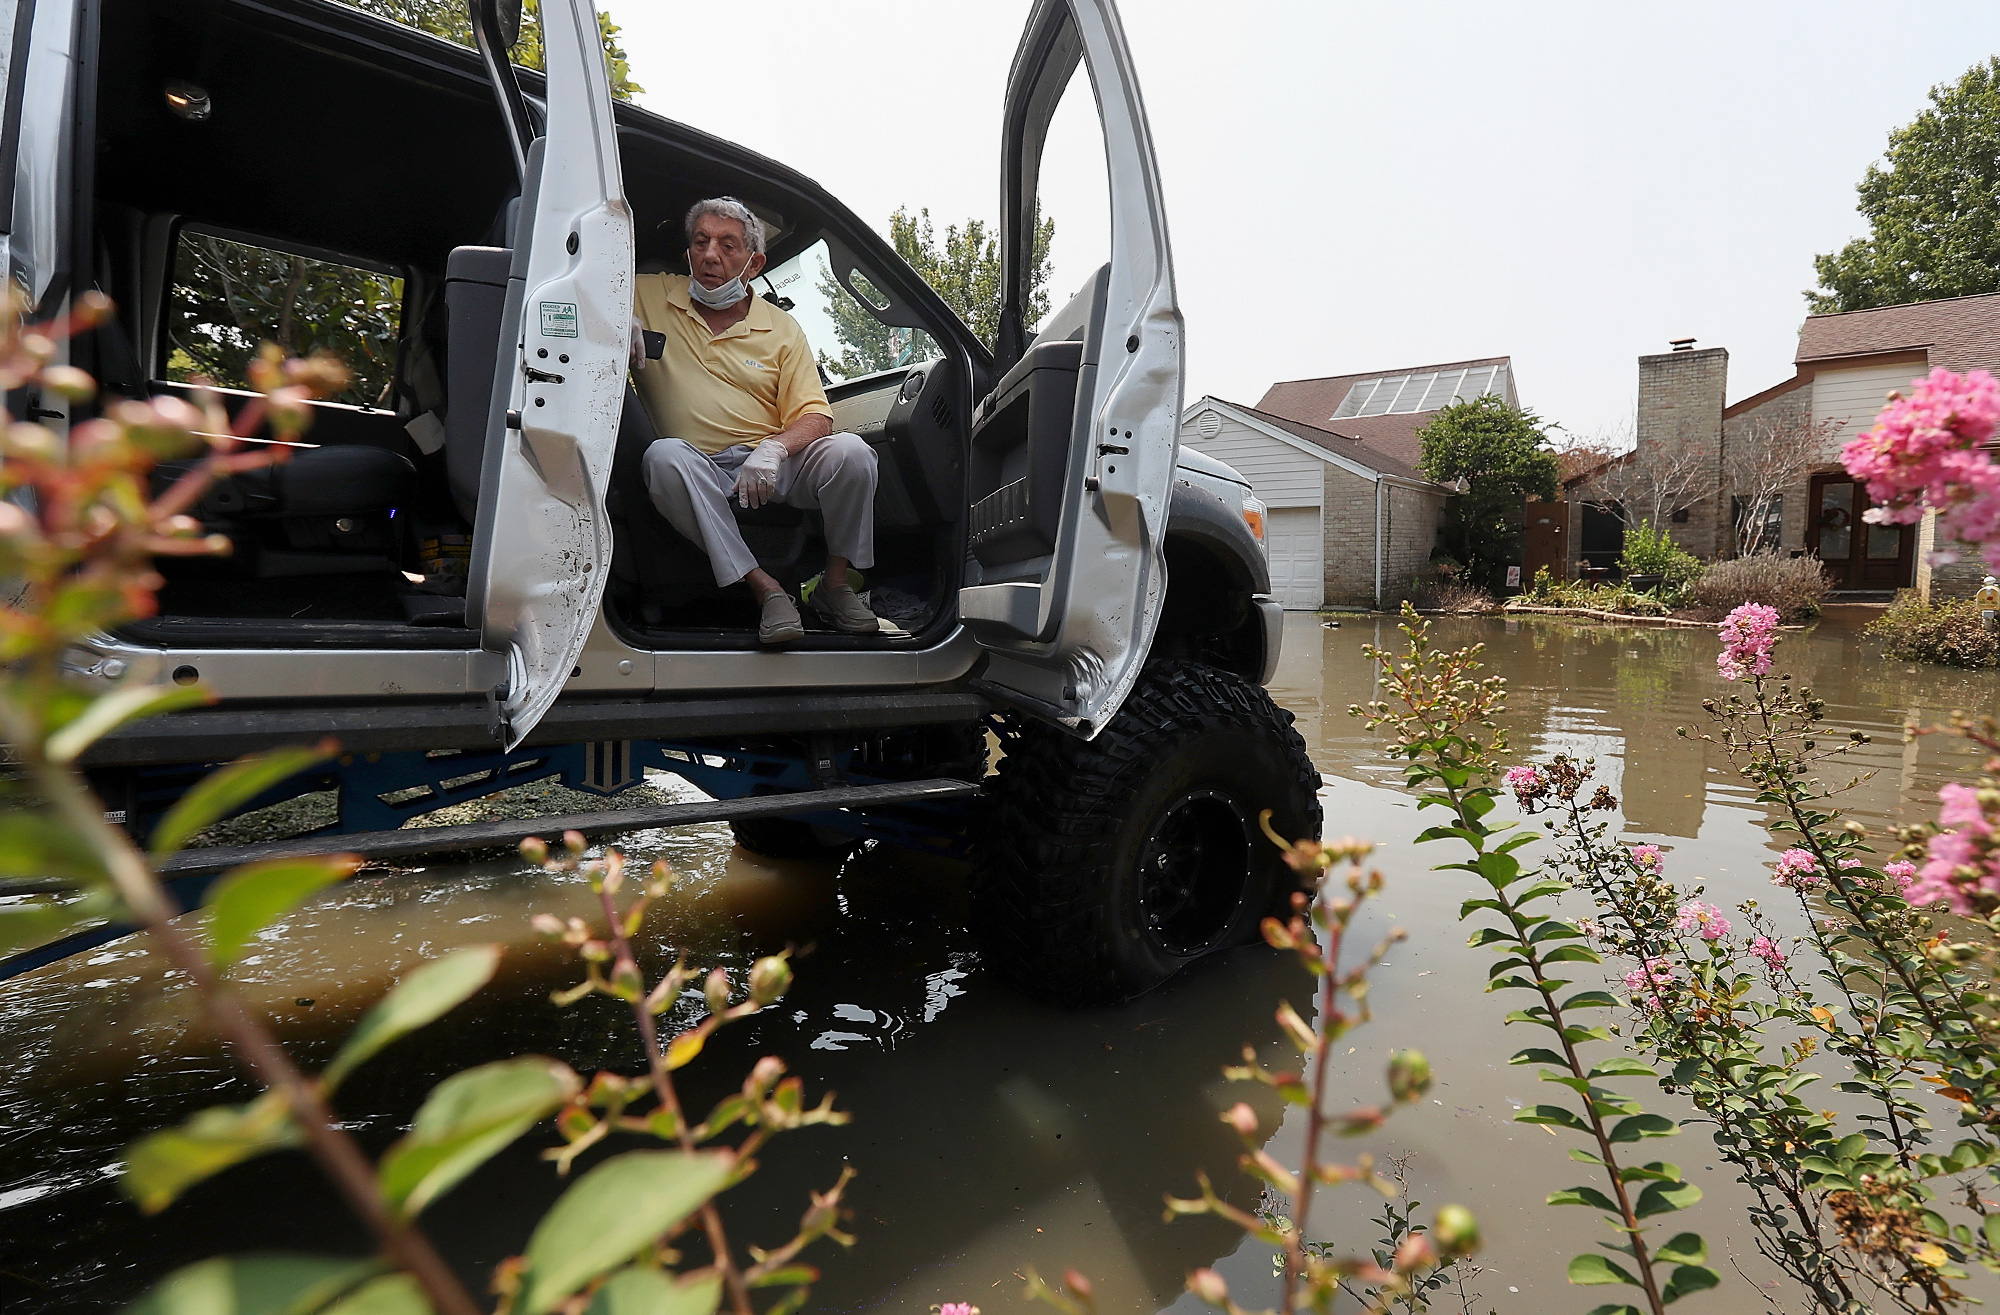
{"x":626,"y":983}
{"x":716,"y":990}
{"x":1456,"y":1231}
{"x":535,"y":850}
{"x":548,"y":924}
{"x":770,"y":979}
{"x":768,"y":1070}
{"x":1078,"y":1285}
{"x":575,"y":843}
{"x":1207,"y":1285}
{"x":1409,"y":1075}
{"x":662,"y":879}
{"x":69,"y":383}
{"x":1413,"y":1253}
{"x":1242,"y":1118}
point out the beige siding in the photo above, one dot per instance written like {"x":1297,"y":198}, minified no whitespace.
{"x":1855,"y":397}
{"x":1280,"y":474}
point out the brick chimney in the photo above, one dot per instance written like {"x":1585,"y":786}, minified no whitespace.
{"x":1680,"y":412}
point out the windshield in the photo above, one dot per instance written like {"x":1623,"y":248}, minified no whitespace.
{"x":845,"y":334}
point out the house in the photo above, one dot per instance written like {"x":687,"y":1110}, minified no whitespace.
{"x":1345,"y":524}
{"x":1765,"y":472}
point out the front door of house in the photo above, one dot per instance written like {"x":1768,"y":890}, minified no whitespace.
{"x":1855,"y":554}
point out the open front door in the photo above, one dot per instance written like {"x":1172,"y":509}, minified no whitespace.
{"x":1073,"y":452}
{"x":542,"y":542}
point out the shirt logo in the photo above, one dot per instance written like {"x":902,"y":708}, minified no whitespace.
{"x":558,"y":319}
{"x":755,"y":365}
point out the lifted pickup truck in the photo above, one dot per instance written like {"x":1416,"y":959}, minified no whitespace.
{"x":461,"y":578}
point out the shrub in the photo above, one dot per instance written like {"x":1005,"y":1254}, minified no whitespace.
{"x":1445,"y":594}
{"x":1948,"y":633}
{"x":1793,"y":585}
{"x":1653,"y":552}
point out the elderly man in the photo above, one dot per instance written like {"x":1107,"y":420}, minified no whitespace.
{"x":737,"y":393}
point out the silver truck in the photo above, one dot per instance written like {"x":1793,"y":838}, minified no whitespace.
{"x":459,"y":575}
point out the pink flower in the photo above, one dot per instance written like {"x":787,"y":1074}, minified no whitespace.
{"x":1902,"y":871}
{"x":1961,"y":808}
{"x":1850,"y":863}
{"x":1748,"y":635}
{"x":1648,"y":856}
{"x":1962,"y":862}
{"x":1797,"y":869}
{"x":1925,"y":453}
{"x":1767,"y":949}
{"x":958,"y":1308}
{"x":1704,"y":918}
{"x":1654,"y":973}
{"x":1527,"y":783}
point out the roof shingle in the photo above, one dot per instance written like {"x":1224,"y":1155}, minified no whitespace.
{"x":1348,"y":446}
{"x":1960,"y":333}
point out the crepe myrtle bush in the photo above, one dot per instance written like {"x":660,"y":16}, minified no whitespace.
{"x":1441,"y":717}
{"x":1876,"y":1208}
{"x":83,"y":516}
{"x":1311,"y":1274}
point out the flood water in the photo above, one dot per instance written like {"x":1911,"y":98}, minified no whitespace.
{"x":990,"y":1133}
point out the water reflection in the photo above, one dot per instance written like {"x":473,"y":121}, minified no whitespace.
{"x":989,"y":1132}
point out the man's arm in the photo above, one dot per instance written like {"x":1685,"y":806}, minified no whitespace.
{"x":804,"y":432}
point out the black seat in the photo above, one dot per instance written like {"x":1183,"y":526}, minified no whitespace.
{"x":475,"y":299}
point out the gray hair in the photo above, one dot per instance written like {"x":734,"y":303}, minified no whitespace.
{"x":728,"y":207}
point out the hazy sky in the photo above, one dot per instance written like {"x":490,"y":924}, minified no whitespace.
{"x":1357,"y":187}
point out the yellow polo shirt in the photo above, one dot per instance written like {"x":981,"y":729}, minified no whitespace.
{"x":742,"y":385}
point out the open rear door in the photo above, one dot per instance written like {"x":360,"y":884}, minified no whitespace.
{"x":1073,"y":451}
{"x":542,"y":544}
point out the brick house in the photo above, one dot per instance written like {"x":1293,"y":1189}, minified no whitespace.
{"x":1345,"y":524}
{"x":1844,"y":366}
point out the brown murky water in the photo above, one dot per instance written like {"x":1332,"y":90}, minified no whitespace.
{"x":990,"y":1133}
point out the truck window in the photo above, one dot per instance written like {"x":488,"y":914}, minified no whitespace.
{"x":845,"y":333}
{"x":229,"y":297}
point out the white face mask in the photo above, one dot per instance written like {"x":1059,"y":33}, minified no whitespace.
{"x":724,"y":297}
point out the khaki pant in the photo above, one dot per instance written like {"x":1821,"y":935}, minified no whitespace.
{"x":835,"y":476}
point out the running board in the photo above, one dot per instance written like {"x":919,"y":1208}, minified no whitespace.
{"x":188,"y":873}
{"x":411,"y":842}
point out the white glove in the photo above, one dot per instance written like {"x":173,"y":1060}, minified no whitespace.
{"x":757,"y":477}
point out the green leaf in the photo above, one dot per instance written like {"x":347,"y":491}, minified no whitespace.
{"x":1591,"y":1269}
{"x":423,"y":997}
{"x":1686,"y":1279}
{"x":1616,"y":1308}
{"x":1555,"y":1114}
{"x":1572,"y":954}
{"x":1682,"y":1249}
{"x":1643,"y":1125}
{"x":468,"y":1118}
{"x":649,"y":1292}
{"x":1665,"y":1198}
{"x":1538,"y":1055}
{"x":107,"y":712}
{"x":1591,"y":1000}
{"x":391,"y":1294}
{"x":1620,"y":1066}
{"x":226,"y":789}
{"x":161,"y":1166}
{"x":37,"y":845}
{"x":609,"y":1214}
{"x":248,"y":898}
{"x":273,"y":1284}
{"x":1589,"y":1196}
{"x":1991,"y":1228}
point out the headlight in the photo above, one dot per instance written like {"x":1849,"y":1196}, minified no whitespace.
{"x":1253,"y":516}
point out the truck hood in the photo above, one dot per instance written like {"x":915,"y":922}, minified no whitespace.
{"x":1203,"y":464}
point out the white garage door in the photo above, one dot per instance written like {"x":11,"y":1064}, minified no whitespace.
{"x":1292,"y":536}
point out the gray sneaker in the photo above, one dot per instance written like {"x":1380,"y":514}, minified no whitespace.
{"x":843,"y":609}
{"x":780,"y":623}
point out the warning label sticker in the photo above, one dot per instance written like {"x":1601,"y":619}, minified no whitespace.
{"x":558,"y":319}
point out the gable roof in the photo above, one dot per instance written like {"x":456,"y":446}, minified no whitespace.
{"x":1960,"y":333}
{"x":1323,"y":443}
{"x":1313,"y":401}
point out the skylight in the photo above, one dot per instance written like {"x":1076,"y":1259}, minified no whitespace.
{"x":1403,"y":394}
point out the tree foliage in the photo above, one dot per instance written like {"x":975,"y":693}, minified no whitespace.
{"x":964,"y":269}
{"x":1933,"y":213}
{"x":229,"y":297}
{"x":1502,"y":455}
{"x":451,"y":19}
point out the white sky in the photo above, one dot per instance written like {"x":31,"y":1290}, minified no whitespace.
{"x":1365,"y":186}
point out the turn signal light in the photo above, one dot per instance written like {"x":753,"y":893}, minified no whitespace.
{"x":1253,"y":516}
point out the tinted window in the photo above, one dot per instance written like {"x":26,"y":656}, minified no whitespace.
{"x":228,"y":298}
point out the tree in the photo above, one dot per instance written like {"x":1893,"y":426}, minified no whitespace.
{"x":1501,"y":457}
{"x":1773,"y":456}
{"x":1657,"y":481}
{"x":1934,"y":213}
{"x":452,"y":20}
{"x":965,"y":271}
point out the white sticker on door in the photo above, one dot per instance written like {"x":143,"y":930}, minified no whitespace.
{"x":559,"y":319}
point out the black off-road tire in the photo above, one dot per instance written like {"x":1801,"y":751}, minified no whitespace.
{"x":1101,"y":868}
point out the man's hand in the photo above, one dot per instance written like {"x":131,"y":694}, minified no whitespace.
{"x":757,"y":478}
